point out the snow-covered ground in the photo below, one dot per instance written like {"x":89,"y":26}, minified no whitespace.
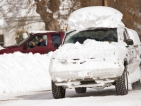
{"x":105,"y":97}
{"x":24,"y":72}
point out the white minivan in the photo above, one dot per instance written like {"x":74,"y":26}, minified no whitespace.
{"x":98,"y":51}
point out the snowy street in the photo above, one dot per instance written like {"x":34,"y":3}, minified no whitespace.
{"x":105,"y":97}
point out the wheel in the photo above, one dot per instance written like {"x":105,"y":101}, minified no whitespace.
{"x":122,"y":84}
{"x":58,"y":91}
{"x":136,"y":85}
{"x":80,"y":90}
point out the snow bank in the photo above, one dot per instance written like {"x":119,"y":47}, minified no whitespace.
{"x":24,"y":72}
{"x":95,"y":16}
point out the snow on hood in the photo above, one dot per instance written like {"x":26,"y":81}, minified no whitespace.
{"x":95,"y":16}
{"x":91,"y":49}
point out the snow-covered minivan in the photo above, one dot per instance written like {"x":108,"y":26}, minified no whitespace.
{"x":98,"y":51}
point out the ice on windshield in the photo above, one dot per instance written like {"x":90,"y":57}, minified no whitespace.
{"x":105,"y":34}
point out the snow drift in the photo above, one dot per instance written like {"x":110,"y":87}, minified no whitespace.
{"x":24,"y":72}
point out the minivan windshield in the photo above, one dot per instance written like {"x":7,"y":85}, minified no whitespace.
{"x":101,"y":34}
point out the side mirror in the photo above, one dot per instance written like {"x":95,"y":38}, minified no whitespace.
{"x":129,"y":42}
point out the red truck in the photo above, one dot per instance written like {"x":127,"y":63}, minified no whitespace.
{"x":52,"y":41}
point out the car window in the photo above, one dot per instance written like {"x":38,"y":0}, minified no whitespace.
{"x":45,"y":39}
{"x":23,"y":41}
{"x":56,"y":40}
{"x":102,"y":34}
{"x":38,"y":41}
{"x":35,"y":39}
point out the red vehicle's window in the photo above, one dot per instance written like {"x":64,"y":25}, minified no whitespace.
{"x":38,"y":41}
{"x":56,"y":40}
{"x":99,"y":34}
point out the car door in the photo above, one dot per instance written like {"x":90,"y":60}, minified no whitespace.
{"x":36,"y":48}
{"x":134,"y":61}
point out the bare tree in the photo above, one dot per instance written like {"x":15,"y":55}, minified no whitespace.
{"x":50,"y":8}
{"x":15,"y":10}
{"x":46,"y":9}
{"x":17,"y":15}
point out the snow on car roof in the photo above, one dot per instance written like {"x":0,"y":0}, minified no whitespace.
{"x":33,"y":32}
{"x":95,"y":16}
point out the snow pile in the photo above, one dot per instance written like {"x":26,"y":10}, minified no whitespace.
{"x":90,"y":49}
{"x":24,"y":72}
{"x":95,"y":16}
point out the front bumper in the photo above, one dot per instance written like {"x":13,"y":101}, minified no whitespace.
{"x":95,"y":70}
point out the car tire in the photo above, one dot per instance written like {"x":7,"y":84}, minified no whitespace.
{"x":122,"y":84}
{"x":80,"y":90}
{"x":136,"y":85}
{"x":58,"y":91}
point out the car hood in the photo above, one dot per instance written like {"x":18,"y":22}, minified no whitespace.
{"x":91,"y":49}
{"x":8,"y":47}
